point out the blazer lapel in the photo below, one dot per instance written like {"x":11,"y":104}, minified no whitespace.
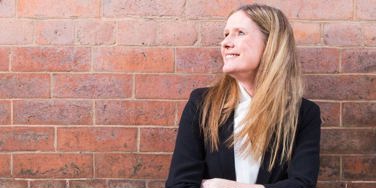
{"x":263,"y":174}
{"x":226,"y":155}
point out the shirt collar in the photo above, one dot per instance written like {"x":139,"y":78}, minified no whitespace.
{"x":243,"y":94}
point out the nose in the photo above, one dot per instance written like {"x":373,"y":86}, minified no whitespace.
{"x":227,"y":43}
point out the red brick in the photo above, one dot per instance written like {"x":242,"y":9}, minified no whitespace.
{"x":135,"y":113}
{"x":330,"y":113}
{"x":26,"y":139}
{"x":331,"y":185}
{"x":53,"y":165}
{"x":157,"y":139}
{"x":348,"y":141}
{"x":24,"y":86}
{"x":319,"y":60}
{"x":58,"y":9}
{"x":342,"y":34}
{"x":48,"y":184}
{"x":177,"y":33}
{"x":156,"y":184}
{"x":5,"y":166}
{"x":319,"y":9}
{"x":359,"y":60}
{"x":132,"y":166}
{"x":212,"y":33}
{"x":198,"y":60}
{"x":359,"y":114}
{"x":5,"y":112}
{"x":359,"y":168}
{"x":346,"y":87}
{"x":87,"y":184}
{"x":369,"y":34}
{"x":54,"y":32}
{"x":137,"y":32}
{"x":16,"y":32}
{"x":329,"y":168}
{"x":201,"y":8}
{"x":92,"y":85}
{"x":120,"y":59}
{"x":361,"y":185}
{"x":7,"y":8}
{"x":120,"y":8}
{"x":126,"y":184}
{"x":4,"y":183}
{"x":4,"y":59}
{"x":97,"y":139}
{"x":96,"y":32}
{"x":51,"y":59}
{"x":170,"y":86}
{"x":52,"y":112}
{"x":306,"y":33}
{"x":365,"y":9}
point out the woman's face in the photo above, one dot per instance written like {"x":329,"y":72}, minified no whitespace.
{"x":242,"y":46}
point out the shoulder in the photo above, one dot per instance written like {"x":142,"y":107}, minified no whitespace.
{"x":309,"y":112}
{"x":197,"y":95}
{"x":308,"y":106}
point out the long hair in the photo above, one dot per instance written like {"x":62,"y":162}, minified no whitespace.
{"x":272,"y":119}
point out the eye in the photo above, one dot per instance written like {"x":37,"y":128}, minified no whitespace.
{"x":241,"y":33}
{"x":225,"y":35}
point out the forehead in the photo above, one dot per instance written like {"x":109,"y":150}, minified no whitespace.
{"x":240,"y":19}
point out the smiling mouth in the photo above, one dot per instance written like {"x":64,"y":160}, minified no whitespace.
{"x":231,"y":55}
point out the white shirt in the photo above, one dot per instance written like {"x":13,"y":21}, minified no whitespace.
{"x":246,"y":167}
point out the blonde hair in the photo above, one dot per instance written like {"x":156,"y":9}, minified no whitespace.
{"x":273,"y":116}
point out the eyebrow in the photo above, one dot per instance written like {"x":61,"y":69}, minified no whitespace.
{"x":235,"y":28}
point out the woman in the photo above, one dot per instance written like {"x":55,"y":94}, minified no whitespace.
{"x":252,"y":128}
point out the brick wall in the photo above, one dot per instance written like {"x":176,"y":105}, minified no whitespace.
{"x":91,"y":91}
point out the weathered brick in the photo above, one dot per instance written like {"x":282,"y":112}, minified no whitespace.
{"x":16,"y":32}
{"x":96,"y":183}
{"x":359,"y":168}
{"x":120,"y":8}
{"x":348,"y":141}
{"x":126,"y":184}
{"x":97,"y":139}
{"x":359,"y":60}
{"x":51,"y":59}
{"x":24,"y":86}
{"x":361,"y":185}
{"x":198,"y":60}
{"x":6,"y":183}
{"x":92,"y":85}
{"x":156,"y":184}
{"x":212,"y":33}
{"x":330,"y":113}
{"x":137,"y":32}
{"x":7,"y":8}
{"x":329,"y":168}
{"x":306,"y":33}
{"x":54,"y":32}
{"x":369,"y":34}
{"x":346,"y":87}
{"x":5,"y":112}
{"x":152,"y":166}
{"x":331,"y":185}
{"x":96,"y":32}
{"x":177,"y":33}
{"x":359,"y":114}
{"x":365,"y":9}
{"x":5,"y":166}
{"x":58,"y":9}
{"x":4,"y":59}
{"x":170,"y":86}
{"x":319,"y":9}
{"x":53,"y":165}
{"x":201,"y":8}
{"x":120,"y":59}
{"x":135,"y":113}
{"x":157,"y":139}
{"x":319,"y":60}
{"x":342,"y":34}
{"x":52,"y":112}
{"x":48,"y":184}
{"x":26,"y":139}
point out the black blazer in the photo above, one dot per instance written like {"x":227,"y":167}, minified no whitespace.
{"x":193,"y":161}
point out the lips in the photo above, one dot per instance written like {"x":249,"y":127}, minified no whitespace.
{"x":231,"y":55}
